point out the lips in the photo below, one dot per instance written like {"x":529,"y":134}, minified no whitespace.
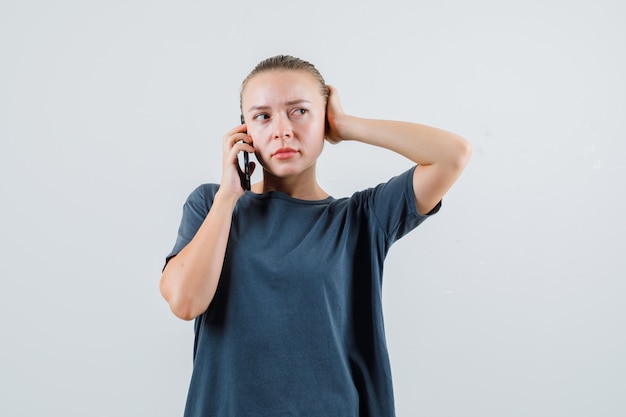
{"x":284,"y":153}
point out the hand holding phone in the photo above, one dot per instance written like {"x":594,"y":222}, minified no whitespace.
{"x":246,"y":166}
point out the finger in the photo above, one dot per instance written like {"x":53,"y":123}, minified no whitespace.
{"x":335,"y":102}
{"x":237,"y":132}
{"x":332,"y":93}
{"x":242,"y":146}
{"x":237,"y":129}
{"x":236,"y":139}
{"x":233,"y":154}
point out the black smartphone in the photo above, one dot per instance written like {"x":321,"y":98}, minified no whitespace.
{"x":246,"y":166}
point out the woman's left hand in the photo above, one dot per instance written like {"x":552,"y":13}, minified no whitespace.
{"x":334,"y":114}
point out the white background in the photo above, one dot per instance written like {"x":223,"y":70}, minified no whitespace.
{"x":510,"y":302}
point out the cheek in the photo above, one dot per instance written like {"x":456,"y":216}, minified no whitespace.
{"x":259,"y":137}
{"x":317,"y":126}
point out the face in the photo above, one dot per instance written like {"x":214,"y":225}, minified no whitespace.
{"x":285,"y":115}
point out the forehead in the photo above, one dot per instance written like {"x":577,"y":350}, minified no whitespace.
{"x":279,"y":86}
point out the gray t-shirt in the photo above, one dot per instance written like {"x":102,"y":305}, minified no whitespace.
{"x":296,"y":325}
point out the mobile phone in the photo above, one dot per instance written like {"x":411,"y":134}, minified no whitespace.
{"x":246,"y":166}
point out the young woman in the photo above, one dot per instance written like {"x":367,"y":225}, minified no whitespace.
{"x":284,"y":281}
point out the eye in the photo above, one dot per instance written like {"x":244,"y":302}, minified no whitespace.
{"x":300,"y":112}
{"x":262,"y":116}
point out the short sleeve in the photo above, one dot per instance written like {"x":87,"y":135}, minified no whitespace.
{"x":393,"y":205}
{"x":195,"y":209}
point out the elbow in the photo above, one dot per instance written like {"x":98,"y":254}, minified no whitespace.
{"x":462,"y":153}
{"x":181,"y":306}
{"x":182,"y":309}
{"x":183,"y":312}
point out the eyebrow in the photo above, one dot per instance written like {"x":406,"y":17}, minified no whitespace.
{"x":288,"y":103}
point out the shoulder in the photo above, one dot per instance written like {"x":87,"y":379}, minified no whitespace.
{"x":200,"y":200}
{"x":391,"y":190}
{"x":203,"y":193}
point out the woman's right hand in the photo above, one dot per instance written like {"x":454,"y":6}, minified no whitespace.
{"x":234,"y":142}
{"x":190,"y":279}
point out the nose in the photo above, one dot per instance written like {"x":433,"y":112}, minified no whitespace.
{"x":282,"y":128}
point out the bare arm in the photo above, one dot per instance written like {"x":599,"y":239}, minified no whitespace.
{"x":190,"y":279}
{"x":441,"y":156}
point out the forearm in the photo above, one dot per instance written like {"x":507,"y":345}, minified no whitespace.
{"x":190,"y":279}
{"x":422,"y":144}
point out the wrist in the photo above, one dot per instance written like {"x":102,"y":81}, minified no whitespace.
{"x":226,"y":198}
{"x":343,"y":127}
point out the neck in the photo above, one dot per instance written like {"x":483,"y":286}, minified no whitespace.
{"x":302,"y":187}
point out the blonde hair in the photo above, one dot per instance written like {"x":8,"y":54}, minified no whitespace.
{"x":288,"y":63}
